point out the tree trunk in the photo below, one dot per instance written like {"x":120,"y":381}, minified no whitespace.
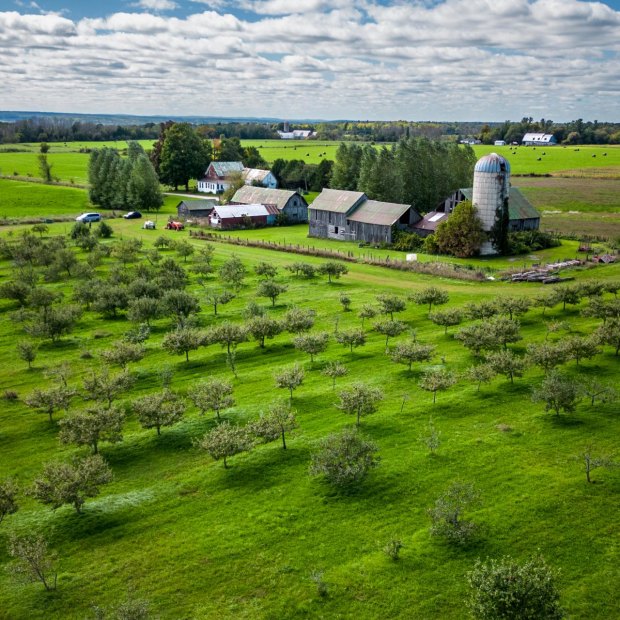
{"x":187,"y":356}
{"x":217,"y":413}
{"x":225,"y":463}
{"x":434,"y":396}
{"x":158,"y":429}
{"x":283,"y":441}
{"x":95,"y":446}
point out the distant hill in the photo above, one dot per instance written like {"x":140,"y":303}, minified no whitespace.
{"x":129,"y":119}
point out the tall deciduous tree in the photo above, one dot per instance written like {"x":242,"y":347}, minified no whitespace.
{"x":184,"y":156}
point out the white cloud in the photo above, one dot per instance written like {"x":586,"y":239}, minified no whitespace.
{"x":342,"y":58}
{"x":156,"y":5}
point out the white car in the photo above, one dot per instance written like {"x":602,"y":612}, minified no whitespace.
{"x":149,"y":225}
{"x":88,"y":217}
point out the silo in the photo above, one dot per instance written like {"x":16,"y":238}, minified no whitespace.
{"x":491,"y":189}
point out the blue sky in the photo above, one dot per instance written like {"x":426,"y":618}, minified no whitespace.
{"x":363,"y":59}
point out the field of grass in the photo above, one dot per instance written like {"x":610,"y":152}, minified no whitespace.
{"x":20,"y":199}
{"x":200,"y":541}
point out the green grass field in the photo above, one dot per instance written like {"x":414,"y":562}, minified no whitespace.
{"x":199,"y":541}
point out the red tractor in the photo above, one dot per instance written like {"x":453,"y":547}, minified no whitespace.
{"x":172,"y":225}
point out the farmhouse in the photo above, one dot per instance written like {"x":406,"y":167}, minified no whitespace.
{"x":297,"y":134}
{"x":254,"y":176}
{"x":228,"y":217}
{"x":290,"y":204}
{"x":219,"y":176}
{"x":521,"y":213}
{"x":351,"y":216}
{"x":534,"y":139}
{"x":195,"y":208}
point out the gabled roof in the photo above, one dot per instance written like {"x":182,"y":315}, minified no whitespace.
{"x":380,"y":213}
{"x":519,"y":207}
{"x":198,"y":205}
{"x":543,"y":138}
{"x":254,"y":174}
{"x":264,"y":195}
{"x":337,"y":200}
{"x":226,"y":168}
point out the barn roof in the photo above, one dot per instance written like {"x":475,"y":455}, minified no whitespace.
{"x":254,"y":174}
{"x":519,"y":207}
{"x":431,"y":220}
{"x":226,"y":168}
{"x":198,"y":205}
{"x":236,"y":211}
{"x":543,"y":138}
{"x":264,"y":195}
{"x":337,"y":200}
{"x":379,"y":213}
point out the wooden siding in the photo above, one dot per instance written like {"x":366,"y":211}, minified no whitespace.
{"x":329,"y":225}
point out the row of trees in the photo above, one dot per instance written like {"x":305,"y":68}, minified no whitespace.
{"x":415,"y":171}
{"x":123,"y":183}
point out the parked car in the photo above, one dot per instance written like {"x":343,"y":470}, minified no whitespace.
{"x":149,"y":225}
{"x":172,"y":225}
{"x":88,"y":217}
{"x":133,"y":215}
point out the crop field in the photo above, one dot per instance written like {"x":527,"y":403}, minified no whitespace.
{"x":197,"y":540}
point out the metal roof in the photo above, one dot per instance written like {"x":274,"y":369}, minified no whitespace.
{"x":519,"y":207}
{"x":380,"y":213}
{"x":492,"y":163}
{"x":265,"y":195}
{"x":198,"y":205}
{"x":254,"y":174}
{"x":542,"y":138}
{"x":226,"y":168}
{"x":431,"y":220}
{"x":236,"y":211}
{"x":337,"y":200}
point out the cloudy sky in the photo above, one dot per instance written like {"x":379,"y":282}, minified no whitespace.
{"x":356,"y":59}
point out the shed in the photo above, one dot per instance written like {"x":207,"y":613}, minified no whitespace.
{"x":534,"y":139}
{"x":243,"y":216}
{"x":428,"y":224}
{"x":195,"y":208}
{"x":289,"y":203}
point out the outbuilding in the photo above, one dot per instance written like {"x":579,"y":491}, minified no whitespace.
{"x":291,"y":205}
{"x":227,"y":217}
{"x":188,"y":209}
{"x":534,"y":139}
{"x":219,"y":176}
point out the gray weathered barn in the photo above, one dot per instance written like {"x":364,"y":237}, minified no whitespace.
{"x":351,"y":216}
{"x":289,"y":203}
{"x":188,"y":209}
{"x":521,"y":213}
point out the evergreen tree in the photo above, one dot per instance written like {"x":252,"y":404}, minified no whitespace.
{"x":143,"y":188}
{"x":346,"y":169}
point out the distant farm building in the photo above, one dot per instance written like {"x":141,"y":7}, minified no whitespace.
{"x":351,"y":216}
{"x":534,"y":139}
{"x":499,"y":143}
{"x":188,"y":209}
{"x":289,"y":203}
{"x":254,"y":176}
{"x":219,"y":176}
{"x":297,"y":134}
{"x":227,"y":217}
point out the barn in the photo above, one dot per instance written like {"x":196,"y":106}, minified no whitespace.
{"x":290,"y":204}
{"x":255,"y":176}
{"x":535,"y":139}
{"x":521,"y":213}
{"x":188,"y":209}
{"x":351,"y":216}
{"x":227,"y":217}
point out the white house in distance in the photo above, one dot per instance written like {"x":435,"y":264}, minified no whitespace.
{"x":220,"y":176}
{"x":534,"y":139}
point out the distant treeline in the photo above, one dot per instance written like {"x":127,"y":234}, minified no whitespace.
{"x":51,"y":129}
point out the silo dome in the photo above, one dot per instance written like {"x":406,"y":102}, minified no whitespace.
{"x":492,"y":163}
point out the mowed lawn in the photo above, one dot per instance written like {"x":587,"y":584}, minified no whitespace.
{"x":199,"y":541}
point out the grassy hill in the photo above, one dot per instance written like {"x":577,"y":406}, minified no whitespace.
{"x":201,"y":541}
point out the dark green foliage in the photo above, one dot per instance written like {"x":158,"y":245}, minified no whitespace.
{"x":461,"y":234}
{"x":511,"y":590}
{"x":8,"y":498}
{"x":226,"y":440}
{"x":160,"y":409}
{"x":558,"y":392}
{"x":447,"y":514}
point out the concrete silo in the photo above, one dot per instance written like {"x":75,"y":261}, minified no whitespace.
{"x":491,"y":190}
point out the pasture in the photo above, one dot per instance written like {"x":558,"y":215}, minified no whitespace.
{"x":200,"y":541}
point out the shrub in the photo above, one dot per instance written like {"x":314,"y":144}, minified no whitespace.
{"x":512,"y":591}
